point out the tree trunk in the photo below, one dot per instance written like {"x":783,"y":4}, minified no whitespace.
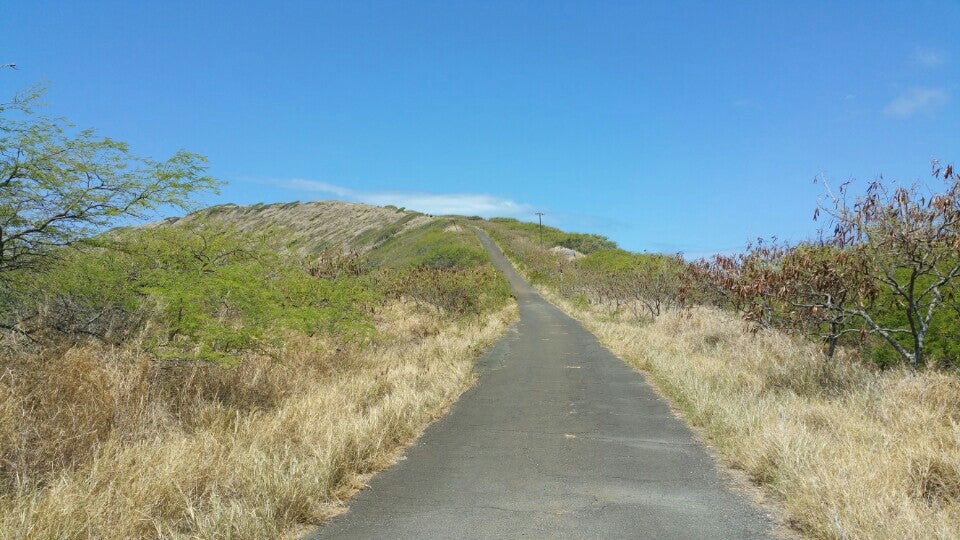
{"x":833,"y":338}
{"x":917,"y":361}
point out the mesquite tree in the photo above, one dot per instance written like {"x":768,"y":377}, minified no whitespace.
{"x":806,"y":287}
{"x":643,"y":282}
{"x":59,"y":185}
{"x":744,"y":280}
{"x":889,"y":268}
{"x":911,"y":244}
{"x":819,"y":283}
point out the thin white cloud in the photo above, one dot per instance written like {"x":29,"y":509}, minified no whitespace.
{"x":316,"y":185}
{"x":928,"y":58}
{"x":470,"y":204}
{"x":917,"y":100}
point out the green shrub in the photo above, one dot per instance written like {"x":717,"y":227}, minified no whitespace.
{"x":430,"y":245}
{"x":456,"y":291}
{"x":453,"y":256}
{"x":202,"y":289}
{"x":582,"y":242}
{"x":207,"y":291}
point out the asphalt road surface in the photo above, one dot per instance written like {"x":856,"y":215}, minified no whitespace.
{"x":558,"y":439}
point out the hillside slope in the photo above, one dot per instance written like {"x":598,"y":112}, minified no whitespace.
{"x":305,"y":228}
{"x":215,"y":376}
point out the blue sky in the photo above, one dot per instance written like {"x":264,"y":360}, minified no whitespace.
{"x":689,"y":126}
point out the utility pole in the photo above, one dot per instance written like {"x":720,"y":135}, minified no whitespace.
{"x":540,"y":219}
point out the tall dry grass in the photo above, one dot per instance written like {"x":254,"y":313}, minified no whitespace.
{"x":848,"y":450}
{"x":312,"y":226}
{"x":110,"y":443}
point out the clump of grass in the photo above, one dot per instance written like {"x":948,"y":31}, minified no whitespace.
{"x":112,"y":443}
{"x":848,"y":450}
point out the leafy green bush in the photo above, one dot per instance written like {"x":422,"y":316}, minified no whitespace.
{"x":206,"y":291}
{"x":942,"y":343}
{"x":202,"y":289}
{"x":611,"y":260}
{"x":61,"y":185}
{"x":582,"y":242}
{"x":434,"y":245}
{"x":456,"y":291}
{"x":453,"y":256}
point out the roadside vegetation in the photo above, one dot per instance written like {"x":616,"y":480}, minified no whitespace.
{"x":826,"y":370}
{"x":220,"y":375}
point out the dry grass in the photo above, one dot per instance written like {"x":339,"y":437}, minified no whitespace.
{"x":849,"y":451}
{"x":108,"y":443}
{"x":312,"y":226}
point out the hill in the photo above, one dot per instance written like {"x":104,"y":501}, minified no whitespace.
{"x":236,"y":372}
{"x":310,"y":227}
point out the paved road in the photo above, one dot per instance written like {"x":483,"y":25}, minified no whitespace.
{"x":558,"y":439}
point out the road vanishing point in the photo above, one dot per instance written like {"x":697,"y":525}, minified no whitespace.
{"x":559,"y":438}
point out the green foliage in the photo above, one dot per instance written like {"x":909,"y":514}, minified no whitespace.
{"x":239,"y":293}
{"x":582,"y":242}
{"x":203,"y":289}
{"x":580,"y":301}
{"x":442,"y":265}
{"x":194,"y":287}
{"x":446,"y":255}
{"x":431,"y":245}
{"x":58,"y":185}
{"x":942,"y":342}
{"x":612,"y":260}
{"x":652,"y":281}
{"x":456,"y":291}
{"x":586,"y":243}
{"x":209,"y":291}
{"x":654,"y":268}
